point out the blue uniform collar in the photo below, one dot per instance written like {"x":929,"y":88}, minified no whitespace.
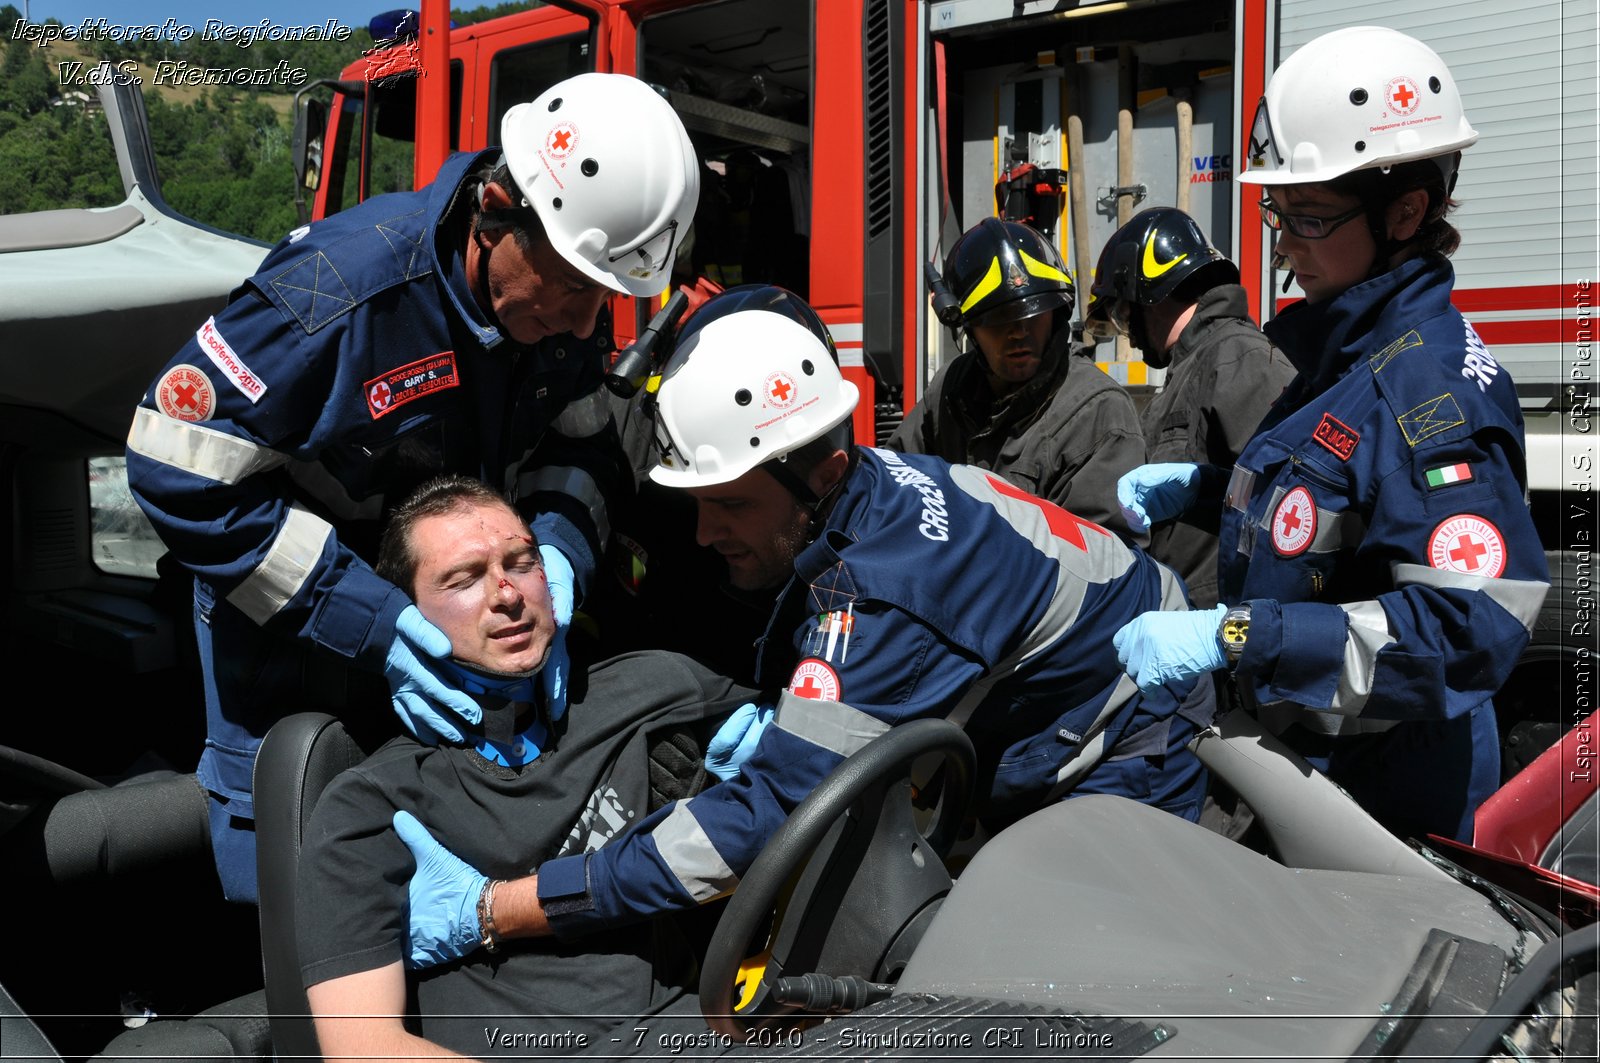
{"x":1323,"y":340}
{"x":446,"y":207}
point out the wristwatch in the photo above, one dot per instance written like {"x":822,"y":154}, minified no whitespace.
{"x":1233,"y":631}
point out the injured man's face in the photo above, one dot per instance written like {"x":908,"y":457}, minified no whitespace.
{"x":480,"y":581}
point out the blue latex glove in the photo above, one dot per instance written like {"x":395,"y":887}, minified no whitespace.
{"x":443,"y":895}
{"x":736,"y":739}
{"x":417,"y":688}
{"x":557,"y":664}
{"x":1150,"y":494}
{"x":1161,"y":647}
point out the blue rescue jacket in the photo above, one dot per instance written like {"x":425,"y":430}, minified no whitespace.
{"x":1377,"y":523}
{"x":350,"y":368}
{"x":353,"y":366}
{"x":932,"y":591}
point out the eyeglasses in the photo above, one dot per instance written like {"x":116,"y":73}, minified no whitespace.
{"x":1305,"y":226}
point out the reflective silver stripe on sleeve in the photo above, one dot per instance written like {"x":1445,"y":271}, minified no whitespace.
{"x":574,"y":483}
{"x":289,"y":561}
{"x":1278,"y":716}
{"x":1336,"y":531}
{"x":1093,"y":748}
{"x":198,"y":450}
{"x":1173,"y":598}
{"x":687,"y":851}
{"x":1367,"y":632}
{"x":584,"y":417}
{"x":314,"y":479}
{"x":1519,"y":597}
{"x":1241,"y":482}
{"x":830,"y":725}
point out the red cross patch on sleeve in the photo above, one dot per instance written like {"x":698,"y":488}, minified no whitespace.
{"x":815,"y":680}
{"x":184,"y":393}
{"x":1294,"y":523}
{"x":1467,"y":544}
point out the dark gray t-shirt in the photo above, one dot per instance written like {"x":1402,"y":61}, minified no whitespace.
{"x":535,"y":996}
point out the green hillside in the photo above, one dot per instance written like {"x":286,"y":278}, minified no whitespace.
{"x":223,"y":151}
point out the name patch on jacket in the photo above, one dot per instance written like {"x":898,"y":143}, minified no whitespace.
{"x":223,"y":356}
{"x":394,"y":389}
{"x":1337,"y":436}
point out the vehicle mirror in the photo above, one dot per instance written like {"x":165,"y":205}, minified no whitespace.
{"x":310,"y":125}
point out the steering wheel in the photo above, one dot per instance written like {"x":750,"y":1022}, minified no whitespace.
{"x":827,"y":925}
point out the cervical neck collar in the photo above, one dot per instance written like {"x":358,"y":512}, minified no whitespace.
{"x":504,"y":697}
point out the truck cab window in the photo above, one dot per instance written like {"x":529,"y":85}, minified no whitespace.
{"x":739,"y":75}
{"x":518,"y":75}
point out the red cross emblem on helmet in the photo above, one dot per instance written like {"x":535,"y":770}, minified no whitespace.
{"x":781,"y":390}
{"x":562,"y":140}
{"x":1403,"y":96}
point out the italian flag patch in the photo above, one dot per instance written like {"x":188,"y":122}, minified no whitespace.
{"x":1445,"y":475}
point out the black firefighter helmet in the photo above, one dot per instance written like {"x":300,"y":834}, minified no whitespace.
{"x":1001,"y":271}
{"x":1145,"y":261}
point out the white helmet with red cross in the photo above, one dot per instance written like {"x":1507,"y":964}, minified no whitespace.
{"x":740,"y":390}
{"x":606,"y":164}
{"x":1355,"y":99}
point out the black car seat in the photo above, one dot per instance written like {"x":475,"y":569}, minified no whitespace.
{"x":299,"y":757}
{"x":142,"y":836}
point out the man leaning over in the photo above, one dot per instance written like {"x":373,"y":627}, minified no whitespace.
{"x":455,"y":328}
{"x":913,"y":589}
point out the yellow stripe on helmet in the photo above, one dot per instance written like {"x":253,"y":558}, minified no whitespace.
{"x":1043,"y":269}
{"x":990,"y":281}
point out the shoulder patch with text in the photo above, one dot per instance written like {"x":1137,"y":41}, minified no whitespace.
{"x":225,"y":359}
{"x":1294,"y":523}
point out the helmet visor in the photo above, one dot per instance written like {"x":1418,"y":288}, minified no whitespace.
{"x":650,"y":256}
{"x":1107,"y":319}
{"x":1263,"y":154}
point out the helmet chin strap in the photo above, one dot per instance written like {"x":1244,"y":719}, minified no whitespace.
{"x":488,"y":220}
{"x":1139,"y":336}
{"x":819,"y":506}
{"x":1386,"y":246}
{"x":780,"y":471}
